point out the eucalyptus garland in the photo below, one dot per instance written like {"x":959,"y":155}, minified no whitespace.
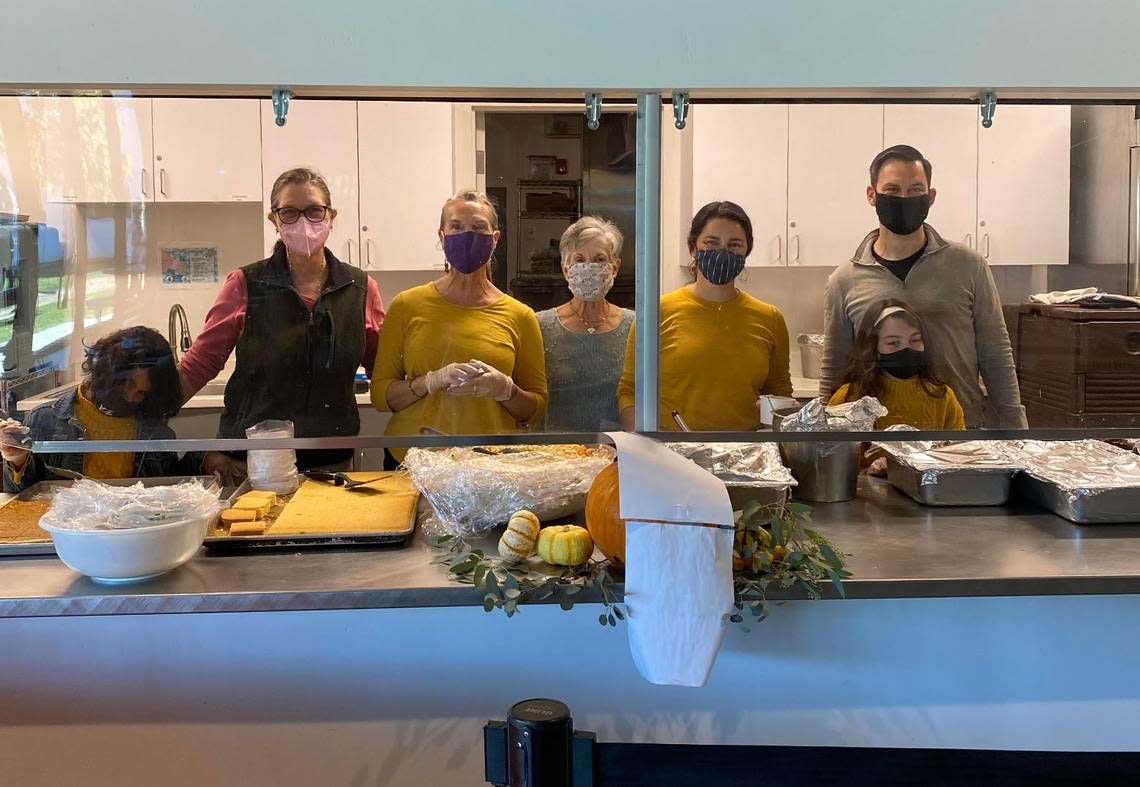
{"x":773,"y":546}
{"x":506,"y":585}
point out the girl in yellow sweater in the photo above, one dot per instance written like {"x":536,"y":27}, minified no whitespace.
{"x":890,"y":361}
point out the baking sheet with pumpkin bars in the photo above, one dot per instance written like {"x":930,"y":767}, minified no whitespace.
{"x":322,"y":514}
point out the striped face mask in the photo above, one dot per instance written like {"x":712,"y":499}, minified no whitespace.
{"x":719,"y":266}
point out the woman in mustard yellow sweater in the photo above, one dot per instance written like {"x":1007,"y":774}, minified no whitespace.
{"x":457,"y":354}
{"x":720,"y":348}
{"x":891,"y":361}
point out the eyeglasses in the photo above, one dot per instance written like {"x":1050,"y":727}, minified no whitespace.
{"x":312,"y":213}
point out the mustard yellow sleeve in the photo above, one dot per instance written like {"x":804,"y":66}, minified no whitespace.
{"x":530,"y":363}
{"x":955,"y":418}
{"x":840,"y":395}
{"x":389,"y":366}
{"x":779,"y":382}
{"x":625,"y":393}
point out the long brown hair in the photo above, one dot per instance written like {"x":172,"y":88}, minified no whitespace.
{"x":863,"y":375}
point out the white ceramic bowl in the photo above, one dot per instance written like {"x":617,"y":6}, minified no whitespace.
{"x":130,"y":554}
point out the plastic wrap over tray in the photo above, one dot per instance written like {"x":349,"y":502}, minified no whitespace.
{"x":1085,"y":481}
{"x":473,"y":489}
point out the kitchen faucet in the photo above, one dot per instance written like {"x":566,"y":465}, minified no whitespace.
{"x":178,"y":330}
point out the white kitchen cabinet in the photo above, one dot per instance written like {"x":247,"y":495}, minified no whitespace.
{"x":207,"y":150}
{"x":740,"y":154}
{"x":948,"y":136}
{"x":406,"y":174}
{"x":1023,"y":186}
{"x":830,"y":147}
{"x":320,"y":135}
{"x":94,"y":149}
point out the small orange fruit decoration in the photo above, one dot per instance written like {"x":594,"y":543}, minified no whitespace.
{"x":602,"y":518}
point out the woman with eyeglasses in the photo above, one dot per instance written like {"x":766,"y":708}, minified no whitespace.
{"x":301,"y":322}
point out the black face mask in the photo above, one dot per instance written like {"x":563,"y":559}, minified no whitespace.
{"x":115,"y":404}
{"x":903,"y":364}
{"x":902,"y":215}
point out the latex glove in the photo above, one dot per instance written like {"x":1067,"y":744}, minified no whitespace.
{"x":13,"y":435}
{"x":449,"y":376}
{"x":490,"y":383}
{"x":229,"y":473}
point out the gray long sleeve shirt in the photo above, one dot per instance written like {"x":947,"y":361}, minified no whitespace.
{"x":953,"y":290}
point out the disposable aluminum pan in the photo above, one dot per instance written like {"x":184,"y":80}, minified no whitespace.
{"x":750,"y":471}
{"x":741,"y":495}
{"x":1087,"y":506}
{"x":951,"y":486}
{"x":1084,"y":481}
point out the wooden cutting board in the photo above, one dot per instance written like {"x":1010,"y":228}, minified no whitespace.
{"x":318,"y":507}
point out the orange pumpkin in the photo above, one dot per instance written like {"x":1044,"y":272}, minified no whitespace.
{"x":606,"y":527}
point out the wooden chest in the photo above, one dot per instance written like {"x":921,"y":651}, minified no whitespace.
{"x":1078,"y":367}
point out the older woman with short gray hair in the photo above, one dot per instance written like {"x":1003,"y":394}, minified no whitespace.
{"x":585,"y":337}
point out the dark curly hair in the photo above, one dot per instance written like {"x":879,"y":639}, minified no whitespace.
{"x":113,"y":359}
{"x":863,"y":376}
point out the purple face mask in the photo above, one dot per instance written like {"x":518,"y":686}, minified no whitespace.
{"x":467,"y":252}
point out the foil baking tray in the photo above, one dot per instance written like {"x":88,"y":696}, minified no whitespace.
{"x":1085,"y":506}
{"x":951,"y":486}
{"x":1085,"y":481}
{"x":751,"y":472}
{"x":968,"y":473}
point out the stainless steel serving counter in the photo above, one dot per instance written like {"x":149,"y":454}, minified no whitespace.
{"x":898,"y":549}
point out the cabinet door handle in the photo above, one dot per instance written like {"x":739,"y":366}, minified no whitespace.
{"x":348,"y":245}
{"x":969,"y":239}
{"x":368,"y":253}
{"x":779,"y":249}
{"x":986,"y":239}
{"x":144,"y":182}
{"x":162,"y":180}
{"x":796,"y":256}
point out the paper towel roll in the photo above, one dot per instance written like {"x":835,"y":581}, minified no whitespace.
{"x":678,"y":587}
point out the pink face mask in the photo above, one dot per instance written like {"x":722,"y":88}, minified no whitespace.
{"x":303,"y":236}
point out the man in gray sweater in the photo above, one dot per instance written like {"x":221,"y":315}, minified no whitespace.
{"x":949,"y":284}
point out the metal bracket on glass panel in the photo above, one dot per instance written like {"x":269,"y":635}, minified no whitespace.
{"x":988,"y":103}
{"x":593,"y":110}
{"x":281,"y":98}
{"x":680,"y":108}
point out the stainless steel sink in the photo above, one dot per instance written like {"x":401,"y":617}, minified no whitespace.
{"x":213,"y":388}
{"x":218,"y":388}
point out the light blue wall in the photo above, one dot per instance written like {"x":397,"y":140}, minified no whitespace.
{"x":585,"y":43}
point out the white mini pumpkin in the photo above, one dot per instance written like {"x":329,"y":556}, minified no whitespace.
{"x":518,"y":539}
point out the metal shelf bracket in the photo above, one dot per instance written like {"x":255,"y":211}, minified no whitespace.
{"x":281,"y":98}
{"x":593,"y":110}
{"x":680,"y":108}
{"x":988,"y":101}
